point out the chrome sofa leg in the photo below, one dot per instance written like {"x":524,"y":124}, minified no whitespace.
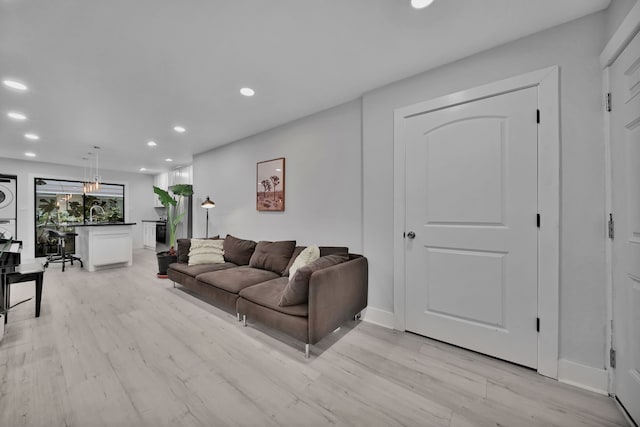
{"x":244,"y":320}
{"x":238,"y":316}
{"x":174,"y":284}
{"x":306,"y":351}
{"x":358,"y":316}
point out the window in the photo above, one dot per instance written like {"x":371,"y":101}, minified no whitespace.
{"x":60,"y":204}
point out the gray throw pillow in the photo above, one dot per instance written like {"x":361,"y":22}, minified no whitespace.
{"x":238,"y":251}
{"x":324,"y":251}
{"x":184,"y":245}
{"x":273,"y":256}
{"x":334,"y":250}
{"x":297,"y":290}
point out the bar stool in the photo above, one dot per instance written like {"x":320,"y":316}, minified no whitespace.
{"x":62,"y":256}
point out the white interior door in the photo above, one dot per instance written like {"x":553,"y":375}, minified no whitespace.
{"x":471,"y":200}
{"x":625,"y":157}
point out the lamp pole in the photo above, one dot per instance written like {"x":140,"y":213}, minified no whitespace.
{"x":207,"y":233}
{"x":208,"y":204}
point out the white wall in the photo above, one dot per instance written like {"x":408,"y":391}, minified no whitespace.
{"x":323,"y":187}
{"x":617,"y":11}
{"x":138,"y":195}
{"x":575,"y":47}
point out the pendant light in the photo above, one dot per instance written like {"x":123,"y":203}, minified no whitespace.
{"x":93,"y":181}
{"x":85,"y":174}
{"x":96,"y":178}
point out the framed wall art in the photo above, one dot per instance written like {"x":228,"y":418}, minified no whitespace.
{"x":270,"y":187}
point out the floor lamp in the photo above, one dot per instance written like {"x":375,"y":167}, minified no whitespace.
{"x":208,"y":204}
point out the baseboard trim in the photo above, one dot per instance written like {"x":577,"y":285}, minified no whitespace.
{"x":585,"y":377}
{"x":625,"y":414}
{"x":379,"y":317}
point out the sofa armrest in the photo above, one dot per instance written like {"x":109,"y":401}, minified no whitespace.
{"x":336,"y":294}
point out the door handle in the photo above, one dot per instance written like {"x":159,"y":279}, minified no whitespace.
{"x":411,"y":235}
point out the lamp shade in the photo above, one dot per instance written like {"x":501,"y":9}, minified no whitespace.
{"x":208,"y":203}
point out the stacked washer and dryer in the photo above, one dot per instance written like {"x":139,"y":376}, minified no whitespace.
{"x":8,"y":207}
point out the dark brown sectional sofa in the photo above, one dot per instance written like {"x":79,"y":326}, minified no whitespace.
{"x":254,"y":275}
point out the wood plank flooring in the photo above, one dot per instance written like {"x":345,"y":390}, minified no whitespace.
{"x":121,"y":348}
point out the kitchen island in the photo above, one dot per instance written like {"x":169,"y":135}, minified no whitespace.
{"x":105,"y":245}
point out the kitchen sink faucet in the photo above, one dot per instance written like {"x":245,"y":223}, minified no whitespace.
{"x":91,"y":212}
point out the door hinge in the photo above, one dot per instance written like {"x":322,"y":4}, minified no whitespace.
{"x":537,"y":116}
{"x":538,"y":220}
{"x":611,"y":226}
{"x":607,"y":102}
{"x":612,"y":358}
{"x":537,"y":324}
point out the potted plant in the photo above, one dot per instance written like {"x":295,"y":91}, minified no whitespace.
{"x":172,"y":204}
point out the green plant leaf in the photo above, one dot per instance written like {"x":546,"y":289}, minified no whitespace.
{"x":178,"y":219}
{"x":172,"y":204}
{"x":182,"y":189}
{"x":165,"y":198}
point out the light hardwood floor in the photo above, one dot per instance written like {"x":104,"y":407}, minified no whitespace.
{"x":122,"y":348}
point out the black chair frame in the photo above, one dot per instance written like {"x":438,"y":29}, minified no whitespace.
{"x":62,"y":256}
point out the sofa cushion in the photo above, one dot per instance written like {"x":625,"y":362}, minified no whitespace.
{"x":194,"y":270}
{"x":307,"y":256}
{"x":333,"y":250}
{"x":297,"y":251}
{"x":205,"y":251}
{"x":324,"y":251}
{"x":297,"y":289}
{"x":235,"y":279}
{"x":238,"y":251}
{"x":268,"y":294}
{"x":272,"y":256}
{"x":183,"y":248}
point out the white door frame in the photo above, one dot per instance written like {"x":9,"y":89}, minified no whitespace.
{"x":627,"y":30}
{"x":547,"y":82}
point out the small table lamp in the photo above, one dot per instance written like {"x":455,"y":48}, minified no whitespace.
{"x":208,"y":204}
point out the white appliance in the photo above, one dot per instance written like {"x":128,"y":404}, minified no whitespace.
{"x":8,"y":227}
{"x":7,"y":198}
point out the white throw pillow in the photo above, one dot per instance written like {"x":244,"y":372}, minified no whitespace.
{"x":205,"y":251}
{"x":307,"y":256}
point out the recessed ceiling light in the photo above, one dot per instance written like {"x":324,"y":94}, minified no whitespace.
{"x":247,"y":91}
{"x":151,"y":143}
{"x":168,"y":160}
{"x":16,"y":116}
{"x":31,"y":136}
{"x":278,"y":170}
{"x":30,"y":154}
{"x":15,"y":85}
{"x":420,"y":4}
{"x":179,"y":129}
{"x":143,"y":169}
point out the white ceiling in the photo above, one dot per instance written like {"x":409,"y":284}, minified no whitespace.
{"x":119,"y":73}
